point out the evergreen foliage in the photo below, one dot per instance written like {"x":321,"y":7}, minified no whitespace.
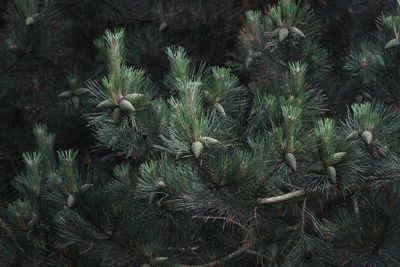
{"x":195,"y":152}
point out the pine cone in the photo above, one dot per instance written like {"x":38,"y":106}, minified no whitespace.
{"x":220,"y":109}
{"x":366,"y":137}
{"x":296,"y":32}
{"x":163,"y":26}
{"x":197,"y":148}
{"x":106,"y":104}
{"x":352,"y":135}
{"x":75,"y":101}
{"x":125,"y":105}
{"x":29,"y":20}
{"x":283,"y":34}
{"x":160,"y":184}
{"x":70,"y":201}
{"x":337,"y":157}
{"x":275,"y":33}
{"x":290,"y":160}
{"x":208,"y":140}
{"x":331,"y":172}
{"x":116,"y":115}
{"x":65,"y":94}
{"x":81,"y":91}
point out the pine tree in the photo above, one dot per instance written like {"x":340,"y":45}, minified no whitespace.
{"x":210,"y":165}
{"x":373,"y":61}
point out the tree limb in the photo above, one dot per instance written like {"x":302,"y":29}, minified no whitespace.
{"x":245,"y":247}
{"x":281,"y":198}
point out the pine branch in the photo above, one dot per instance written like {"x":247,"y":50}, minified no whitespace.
{"x":244,"y":248}
{"x":11,"y":234}
{"x":15,"y":62}
{"x":197,"y":255}
{"x":277,"y":167}
{"x":303,"y":215}
{"x":221,"y":218}
{"x":295,"y":194}
{"x":285,"y":197}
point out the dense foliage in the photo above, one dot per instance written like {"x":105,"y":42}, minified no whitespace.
{"x":200,"y":133}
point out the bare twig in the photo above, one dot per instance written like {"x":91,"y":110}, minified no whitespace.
{"x":285,"y":197}
{"x":245,"y":247}
{"x":303,"y":212}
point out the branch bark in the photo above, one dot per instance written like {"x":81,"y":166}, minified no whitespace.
{"x":285,"y":197}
